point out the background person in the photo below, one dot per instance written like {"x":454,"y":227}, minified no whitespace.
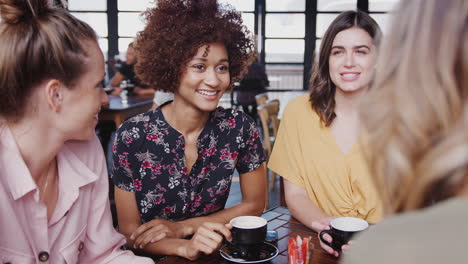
{"x":254,"y":82}
{"x":317,"y":150}
{"x":173,"y":166}
{"x":127,"y":73}
{"x":417,"y":118}
{"x":54,"y":204}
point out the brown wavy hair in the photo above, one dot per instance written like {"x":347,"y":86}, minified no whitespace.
{"x":322,"y":89}
{"x":38,"y":41}
{"x":176,"y":29}
{"x":417,"y":109}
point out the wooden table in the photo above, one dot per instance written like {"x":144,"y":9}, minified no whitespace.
{"x":119,"y":111}
{"x":279,"y":219}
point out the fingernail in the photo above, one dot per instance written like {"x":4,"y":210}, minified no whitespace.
{"x":141,"y":246}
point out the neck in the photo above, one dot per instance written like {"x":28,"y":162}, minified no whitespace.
{"x":348,"y":103}
{"x":38,"y":145}
{"x":185,"y":119}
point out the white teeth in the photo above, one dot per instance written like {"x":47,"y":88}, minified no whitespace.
{"x":206,"y":93}
{"x":349,"y":75}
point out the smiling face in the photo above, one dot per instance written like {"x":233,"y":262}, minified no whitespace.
{"x":83,"y":102}
{"x":352,"y":60}
{"x":205,"y":78}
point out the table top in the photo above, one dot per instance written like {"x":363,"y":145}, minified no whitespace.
{"x":279,"y":219}
{"x":116,"y":103}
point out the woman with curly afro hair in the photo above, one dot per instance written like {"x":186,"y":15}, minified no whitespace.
{"x":172,"y":167}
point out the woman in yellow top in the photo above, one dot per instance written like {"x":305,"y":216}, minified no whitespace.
{"x":317,"y":150}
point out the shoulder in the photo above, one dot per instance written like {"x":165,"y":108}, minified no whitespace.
{"x":124,"y":67}
{"x":138,"y":121}
{"x":300,"y":108}
{"x":135,"y":128}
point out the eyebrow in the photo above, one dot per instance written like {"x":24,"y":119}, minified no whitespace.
{"x":203,"y":59}
{"x":355,"y":47}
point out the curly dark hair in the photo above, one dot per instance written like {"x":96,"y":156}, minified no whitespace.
{"x":176,"y":29}
{"x":322,"y":89}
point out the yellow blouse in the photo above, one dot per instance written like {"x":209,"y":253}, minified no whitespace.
{"x":306,"y":154}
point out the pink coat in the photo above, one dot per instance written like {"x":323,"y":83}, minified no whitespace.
{"x":80,"y":229}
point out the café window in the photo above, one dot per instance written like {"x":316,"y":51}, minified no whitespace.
{"x":95,"y":14}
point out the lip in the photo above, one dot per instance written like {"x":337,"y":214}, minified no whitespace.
{"x":208,"y":94}
{"x":350,"y":76}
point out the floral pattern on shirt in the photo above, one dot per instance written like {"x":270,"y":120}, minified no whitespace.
{"x":149,"y":159}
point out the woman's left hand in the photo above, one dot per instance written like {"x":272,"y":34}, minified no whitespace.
{"x":156,"y":230}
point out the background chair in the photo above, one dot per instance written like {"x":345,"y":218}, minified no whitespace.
{"x":261,"y":99}
{"x":268,"y":113}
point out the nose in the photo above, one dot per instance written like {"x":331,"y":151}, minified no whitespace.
{"x":104,"y":97}
{"x":212,"y":78}
{"x":350,"y":60}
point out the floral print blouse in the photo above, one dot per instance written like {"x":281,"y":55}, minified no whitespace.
{"x":149,"y":159}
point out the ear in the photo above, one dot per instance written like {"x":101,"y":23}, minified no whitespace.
{"x":54,"y":91}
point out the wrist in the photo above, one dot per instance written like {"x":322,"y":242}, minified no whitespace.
{"x":187,"y":228}
{"x":182,"y":249}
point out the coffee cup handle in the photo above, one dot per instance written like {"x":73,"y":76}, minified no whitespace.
{"x":322,"y":233}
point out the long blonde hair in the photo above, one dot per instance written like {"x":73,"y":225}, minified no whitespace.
{"x":417,"y":110}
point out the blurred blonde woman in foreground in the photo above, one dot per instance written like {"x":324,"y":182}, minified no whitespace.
{"x":417,"y":114}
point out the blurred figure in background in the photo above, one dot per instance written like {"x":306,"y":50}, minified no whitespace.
{"x":126,"y":74}
{"x":54,"y":203}
{"x":417,"y":118}
{"x":318,"y":150}
{"x":254,"y":82}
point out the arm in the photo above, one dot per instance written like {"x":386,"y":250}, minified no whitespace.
{"x":297,"y":200}
{"x":117,"y":79}
{"x":206,"y":240}
{"x":314,"y":218}
{"x":253,"y":187}
{"x":115,"y":83}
